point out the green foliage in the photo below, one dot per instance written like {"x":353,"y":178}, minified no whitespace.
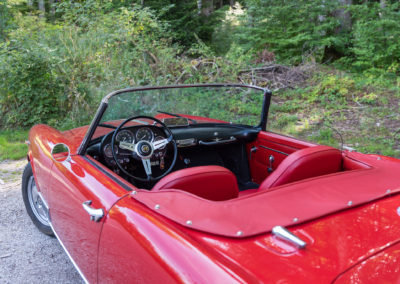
{"x":291,"y":29}
{"x":331,"y":92}
{"x":56,"y":73}
{"x":186,"y":21}
{"x":28,"y":88}
{"x":12,"y":144}
{"x":5,"y":19}
{"x":55,"y":69}
{"x":376,"y":37}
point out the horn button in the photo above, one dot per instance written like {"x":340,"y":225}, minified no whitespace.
{"x":144,"y":149}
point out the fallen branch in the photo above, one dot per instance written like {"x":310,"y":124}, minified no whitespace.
{"x":276,"y":76}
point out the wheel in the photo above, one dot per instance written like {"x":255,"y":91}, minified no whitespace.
{"x":33,"y":202}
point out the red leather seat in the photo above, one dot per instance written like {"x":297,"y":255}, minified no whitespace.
{"x":209,"y":182}
{"x":305,"y":163}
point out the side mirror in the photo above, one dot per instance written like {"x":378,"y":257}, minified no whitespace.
{"x":60,"y":152}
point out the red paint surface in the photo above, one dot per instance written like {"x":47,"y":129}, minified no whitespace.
{"x":74,"y":182}
{"x":141,"y":244}
{"x":304,"y":200}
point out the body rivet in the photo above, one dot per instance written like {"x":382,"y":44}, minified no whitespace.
{"x":188,"y":222}
{"x":388,"y":191}
{"x":349,"y":203}
{"x":134,"y":192}
{"x":157,"y":206}
{"x":295,"y":219}
{"x":239,"y":233}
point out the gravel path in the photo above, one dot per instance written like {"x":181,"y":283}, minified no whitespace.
{"x":26,"y":255}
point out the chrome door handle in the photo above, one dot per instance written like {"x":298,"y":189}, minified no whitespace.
{"x":95,"y":214}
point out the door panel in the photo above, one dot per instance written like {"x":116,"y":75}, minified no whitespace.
{"x":270,"y":144}
{"x":73,"y":182}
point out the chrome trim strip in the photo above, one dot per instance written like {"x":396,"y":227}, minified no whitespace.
{"x":70,"y":257}
{"x":280,"y":152}
{"x":286,"y":235}
{"x":146,"y":88}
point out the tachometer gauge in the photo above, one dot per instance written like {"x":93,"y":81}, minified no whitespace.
{"x":108,"y":151}
{"x":124,"y":136}
{"x":144,"y":133}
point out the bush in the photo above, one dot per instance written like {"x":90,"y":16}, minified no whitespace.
{"x":291,"y":29}
{"x":58,"y":73}
{"x":29,"y":90}
{"x":376,"y":37}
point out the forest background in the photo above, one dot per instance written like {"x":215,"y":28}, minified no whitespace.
{"x":332,"y":65}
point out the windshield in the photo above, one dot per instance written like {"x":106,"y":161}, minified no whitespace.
{"x":196,"y":104}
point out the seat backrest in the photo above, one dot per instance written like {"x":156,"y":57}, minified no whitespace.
{"x":209,"y":182}
{"x":305,"y":163}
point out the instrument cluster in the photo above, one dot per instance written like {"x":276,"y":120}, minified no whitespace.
{"x":132,"y":135}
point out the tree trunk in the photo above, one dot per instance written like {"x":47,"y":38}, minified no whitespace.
{"x":232,"y":3}
{"x":52,"y":8}
{"x":206,"y":7}
{"x":344,"y":16}
{"x":199,"y":5}
{"x":30,"y":3}
{"x":42,"y":7}
{"x":331,"y":53}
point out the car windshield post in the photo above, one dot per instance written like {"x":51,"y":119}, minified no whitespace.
{"x":265,"y":109}
{"x":104,"y":104}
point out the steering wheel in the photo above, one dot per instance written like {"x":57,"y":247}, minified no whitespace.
{"x":144,"y":150}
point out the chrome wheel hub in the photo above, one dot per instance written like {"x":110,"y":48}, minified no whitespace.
{"x":36,"y":202}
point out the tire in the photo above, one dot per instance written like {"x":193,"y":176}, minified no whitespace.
{"x":33,"y":202}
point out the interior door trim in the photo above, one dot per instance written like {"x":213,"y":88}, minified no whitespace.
{"x":280,"y":152}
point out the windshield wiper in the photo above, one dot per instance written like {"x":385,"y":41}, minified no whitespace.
{"x":177,"y":115}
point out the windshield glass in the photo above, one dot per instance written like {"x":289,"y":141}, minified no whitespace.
{"x":199,"y":104}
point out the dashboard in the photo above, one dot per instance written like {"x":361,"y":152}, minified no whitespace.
{"x":198,"y":144}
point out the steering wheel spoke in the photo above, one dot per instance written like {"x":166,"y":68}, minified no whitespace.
{"x":160,"y":143}
{"x":147,"y":167}
{"x":127,"y":146}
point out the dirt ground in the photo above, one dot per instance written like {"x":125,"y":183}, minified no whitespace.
{"x":26,"y":255}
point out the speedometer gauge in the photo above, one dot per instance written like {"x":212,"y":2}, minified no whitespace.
{"x":124,"y":136}
{"x":144,"y":133}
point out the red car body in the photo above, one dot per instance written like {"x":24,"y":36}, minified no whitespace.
{"x":349,"y":220}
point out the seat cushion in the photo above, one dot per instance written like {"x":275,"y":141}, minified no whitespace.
{"x":209,"y":182}
{"x":305,"y":163}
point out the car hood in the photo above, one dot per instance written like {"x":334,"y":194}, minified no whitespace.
{"x":340,"y":246}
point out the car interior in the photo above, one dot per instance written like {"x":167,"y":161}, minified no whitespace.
{"x":215,"y":161}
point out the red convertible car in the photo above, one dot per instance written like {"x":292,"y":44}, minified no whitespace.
{"x":186,"y":184}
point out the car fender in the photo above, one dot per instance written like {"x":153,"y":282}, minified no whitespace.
{"x":142,"y":246}
{"x":42,"y":139}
